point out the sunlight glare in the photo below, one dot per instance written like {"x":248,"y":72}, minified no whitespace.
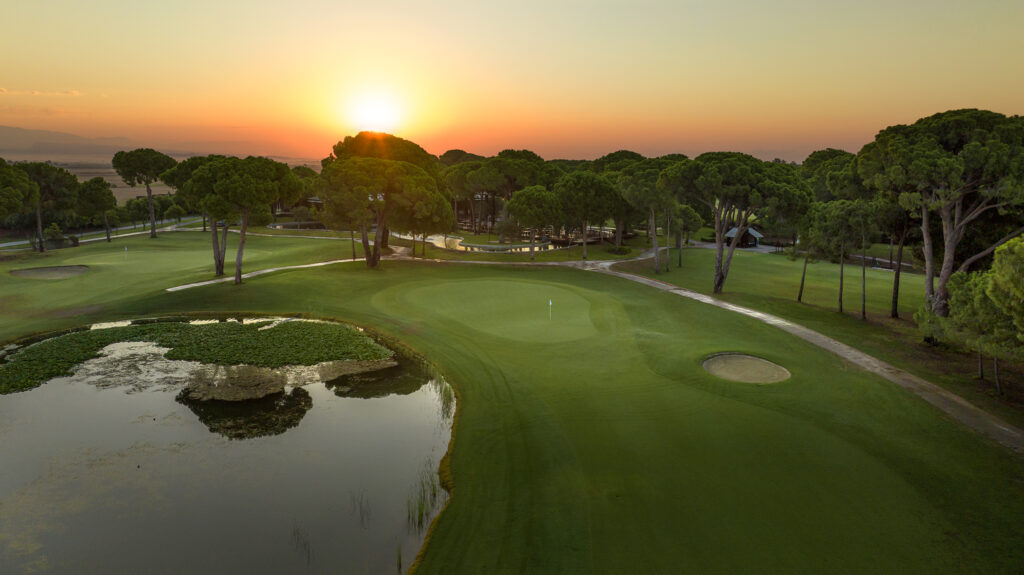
{"x":374,"y":111}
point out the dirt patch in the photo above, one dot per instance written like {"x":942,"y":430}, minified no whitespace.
{"x":745,"y":368}
{"x":51,"y":272}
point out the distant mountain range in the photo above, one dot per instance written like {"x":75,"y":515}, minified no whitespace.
{"x":20,"y":144}
{"x":46,"y":142}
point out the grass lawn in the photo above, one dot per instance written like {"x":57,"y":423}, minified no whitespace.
{"x":770,"y":282}
{"x":593,"y":442}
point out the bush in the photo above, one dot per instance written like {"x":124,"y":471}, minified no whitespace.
{"x":53,"y":232}
{"x":174,"y":212}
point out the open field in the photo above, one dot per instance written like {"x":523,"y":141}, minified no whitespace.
{"x":593,"y":440}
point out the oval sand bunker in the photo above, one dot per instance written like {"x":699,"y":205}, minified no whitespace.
{"x":745,"y":368}
{"x":50,"y":273}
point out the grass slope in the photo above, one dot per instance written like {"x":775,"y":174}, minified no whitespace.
{"x":148,"y":266}
{"x":593,"y":442}
{"x":769,"y":283}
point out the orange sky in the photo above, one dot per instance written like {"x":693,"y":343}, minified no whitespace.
{"x":565,"y":79}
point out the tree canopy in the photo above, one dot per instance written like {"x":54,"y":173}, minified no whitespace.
{"x":535,"y":207}
{"x":822,"y":164}
{"x":365,"y":192}
{"x":1006,"y":287}
{"x":385,"y":147}
{"x":143,"y":166}
{"x":244,"y":186}
{"x":57,"y":190}
{"x":955,"y":166}
{"x":737,"y":188}
{"x":454,"y":157}
{"x":16,"y":190}
{"x":95,"y":199}
{"x":586,"y":198}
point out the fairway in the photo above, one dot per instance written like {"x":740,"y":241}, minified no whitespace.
{"x":595,"y":442}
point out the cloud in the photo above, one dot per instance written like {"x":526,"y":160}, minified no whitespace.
{"x":30,"y":111}
{"x":44,"y":93}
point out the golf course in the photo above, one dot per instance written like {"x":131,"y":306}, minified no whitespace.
{"x":588,"y":436}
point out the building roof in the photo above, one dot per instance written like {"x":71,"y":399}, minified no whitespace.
{"x":732,"y":233}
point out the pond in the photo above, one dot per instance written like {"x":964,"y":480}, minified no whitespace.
{"x":116,"y":469}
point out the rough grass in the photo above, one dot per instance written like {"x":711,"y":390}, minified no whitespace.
{"x":226,"y":343}
{"x":594,"y":442}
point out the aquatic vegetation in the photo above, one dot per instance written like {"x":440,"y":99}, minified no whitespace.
{"x":425,"y":498}
{"x":223,"y":343}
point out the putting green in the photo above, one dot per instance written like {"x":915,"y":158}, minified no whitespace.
{"x":525,"y":311}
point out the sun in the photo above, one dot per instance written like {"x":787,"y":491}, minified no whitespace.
{"x":374,"y":112}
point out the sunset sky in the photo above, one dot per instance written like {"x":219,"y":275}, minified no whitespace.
{"x":565,"y":79}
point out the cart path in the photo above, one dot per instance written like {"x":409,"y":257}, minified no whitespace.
{"x":953,"y":405}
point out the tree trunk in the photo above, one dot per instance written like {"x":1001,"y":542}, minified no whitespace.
{"x":218,"y":268}
{"x":800,"y":294}
{"x":378,"y":234}
{"x":679,"y":247}
{"x":352,"y":240}
{"x":532,"y":235}
{"x":204,"y":221}
{"x":863,"y":281}
{"x":894,"y":311}
{"x":223,"y":250}
{"x":981,"y":366}
{"x":367,"y":253}
{"x":39,"y":226}
{"x":385,"y":238}
{"x":724,"y":271}
{"x":953,"y":229}
{"x":106,"y":226}
{"x":584,"y":239}
{"x":653,"y":236}
{"x":719,"y":251}
{"x":842,"y":268}
{"x":668,"y":234}
{"x":929,"y":263}
{"x":618,"y":234}
{"x":241,"y":247}
{"x":152,"y":212}
{"x":995,"y":374}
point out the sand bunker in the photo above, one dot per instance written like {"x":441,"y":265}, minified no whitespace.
{"x":745,"y":368}
{"x":50,"y":273}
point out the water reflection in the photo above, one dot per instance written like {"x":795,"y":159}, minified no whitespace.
{"x":106,"y":472}
{"x":271,"y":415}
{"x":402,"y":378}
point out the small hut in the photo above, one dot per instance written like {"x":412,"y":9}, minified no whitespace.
{"x":751,"y":237}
